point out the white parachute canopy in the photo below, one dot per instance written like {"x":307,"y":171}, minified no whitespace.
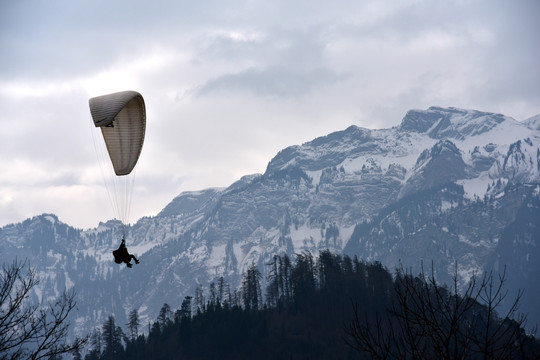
{"x":121,"y":117}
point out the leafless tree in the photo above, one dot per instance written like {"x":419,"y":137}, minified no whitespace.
{"x":427,"y":320}
{"x":32,"y":331}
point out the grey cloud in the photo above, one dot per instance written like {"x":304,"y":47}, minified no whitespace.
{"x":276,"y":81}
{"x":291,"y":62}
{"x":61,"y":39}
{"x":345,"y":60}
{"x":303,"y":46}
{"x":515,"y":54}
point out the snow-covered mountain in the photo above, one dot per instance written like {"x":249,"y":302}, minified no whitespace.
{"x":447,"y":186}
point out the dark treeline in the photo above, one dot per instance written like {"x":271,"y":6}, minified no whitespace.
{"x":313,"y":308}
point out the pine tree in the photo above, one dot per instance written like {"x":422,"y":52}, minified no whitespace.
{"x":284,"y":278}
{"x":303,"y":277}
{"x":329,"y":269}
{"x":251,"y":288}
{"x":76,"y":354}
{"x":199,"y":299}
{"x":272,"y":289}
{"x":133,"y":324}
{"x":95,"y":343}
{"x":112,"y":338}
{"x":185,"y":310}
{"x":224,"y":292}
{"x":165,"y":315}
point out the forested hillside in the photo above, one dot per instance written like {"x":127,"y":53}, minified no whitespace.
{"x":329,"y":307}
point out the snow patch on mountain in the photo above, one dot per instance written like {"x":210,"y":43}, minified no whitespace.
{"x":51,"y":218}
{"x":475,"y":188}
{"x":217,"y":255}
{"x":452,"y":123}
{"x":438,"y":186}
{"x":533,"y":122}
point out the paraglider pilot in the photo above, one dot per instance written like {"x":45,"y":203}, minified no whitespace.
{"x":121,"y":255}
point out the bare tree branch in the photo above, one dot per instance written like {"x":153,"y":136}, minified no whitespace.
{"x":29,"y":330}
{"x":427,"y":320}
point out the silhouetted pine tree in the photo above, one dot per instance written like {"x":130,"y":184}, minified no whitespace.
{"x":185,"y":310}
{"x":165,"y":316}
{"x":284,"y":278}
{"x":112,"y":340}
{"x":95,"y":346}
{"x":303,"y":277}
{"x":272,"y":289}
{"x":251,"y":288}
{"x":133,"y":324}
{"x":199,"y":299}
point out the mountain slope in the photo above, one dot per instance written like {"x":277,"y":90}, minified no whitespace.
{"x":446,"y":185}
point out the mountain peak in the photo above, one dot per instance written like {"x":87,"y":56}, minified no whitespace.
{"x":52,"y":218}
{"x":324,"y":151}
{"x":533,"y":123}
{"x":438,"y":122}
{"x":188,"y":201}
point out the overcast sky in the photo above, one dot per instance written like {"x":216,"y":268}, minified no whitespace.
{"x":228,"y":84}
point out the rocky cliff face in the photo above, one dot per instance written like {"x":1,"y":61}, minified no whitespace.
{"x":447,"y":186}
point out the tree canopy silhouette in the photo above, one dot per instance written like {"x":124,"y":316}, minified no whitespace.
{"x":319,"y":308}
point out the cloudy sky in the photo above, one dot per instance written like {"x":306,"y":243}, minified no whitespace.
{"x":228,"y":84}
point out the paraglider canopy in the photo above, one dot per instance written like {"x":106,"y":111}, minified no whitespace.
{"x":121,"y":117}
